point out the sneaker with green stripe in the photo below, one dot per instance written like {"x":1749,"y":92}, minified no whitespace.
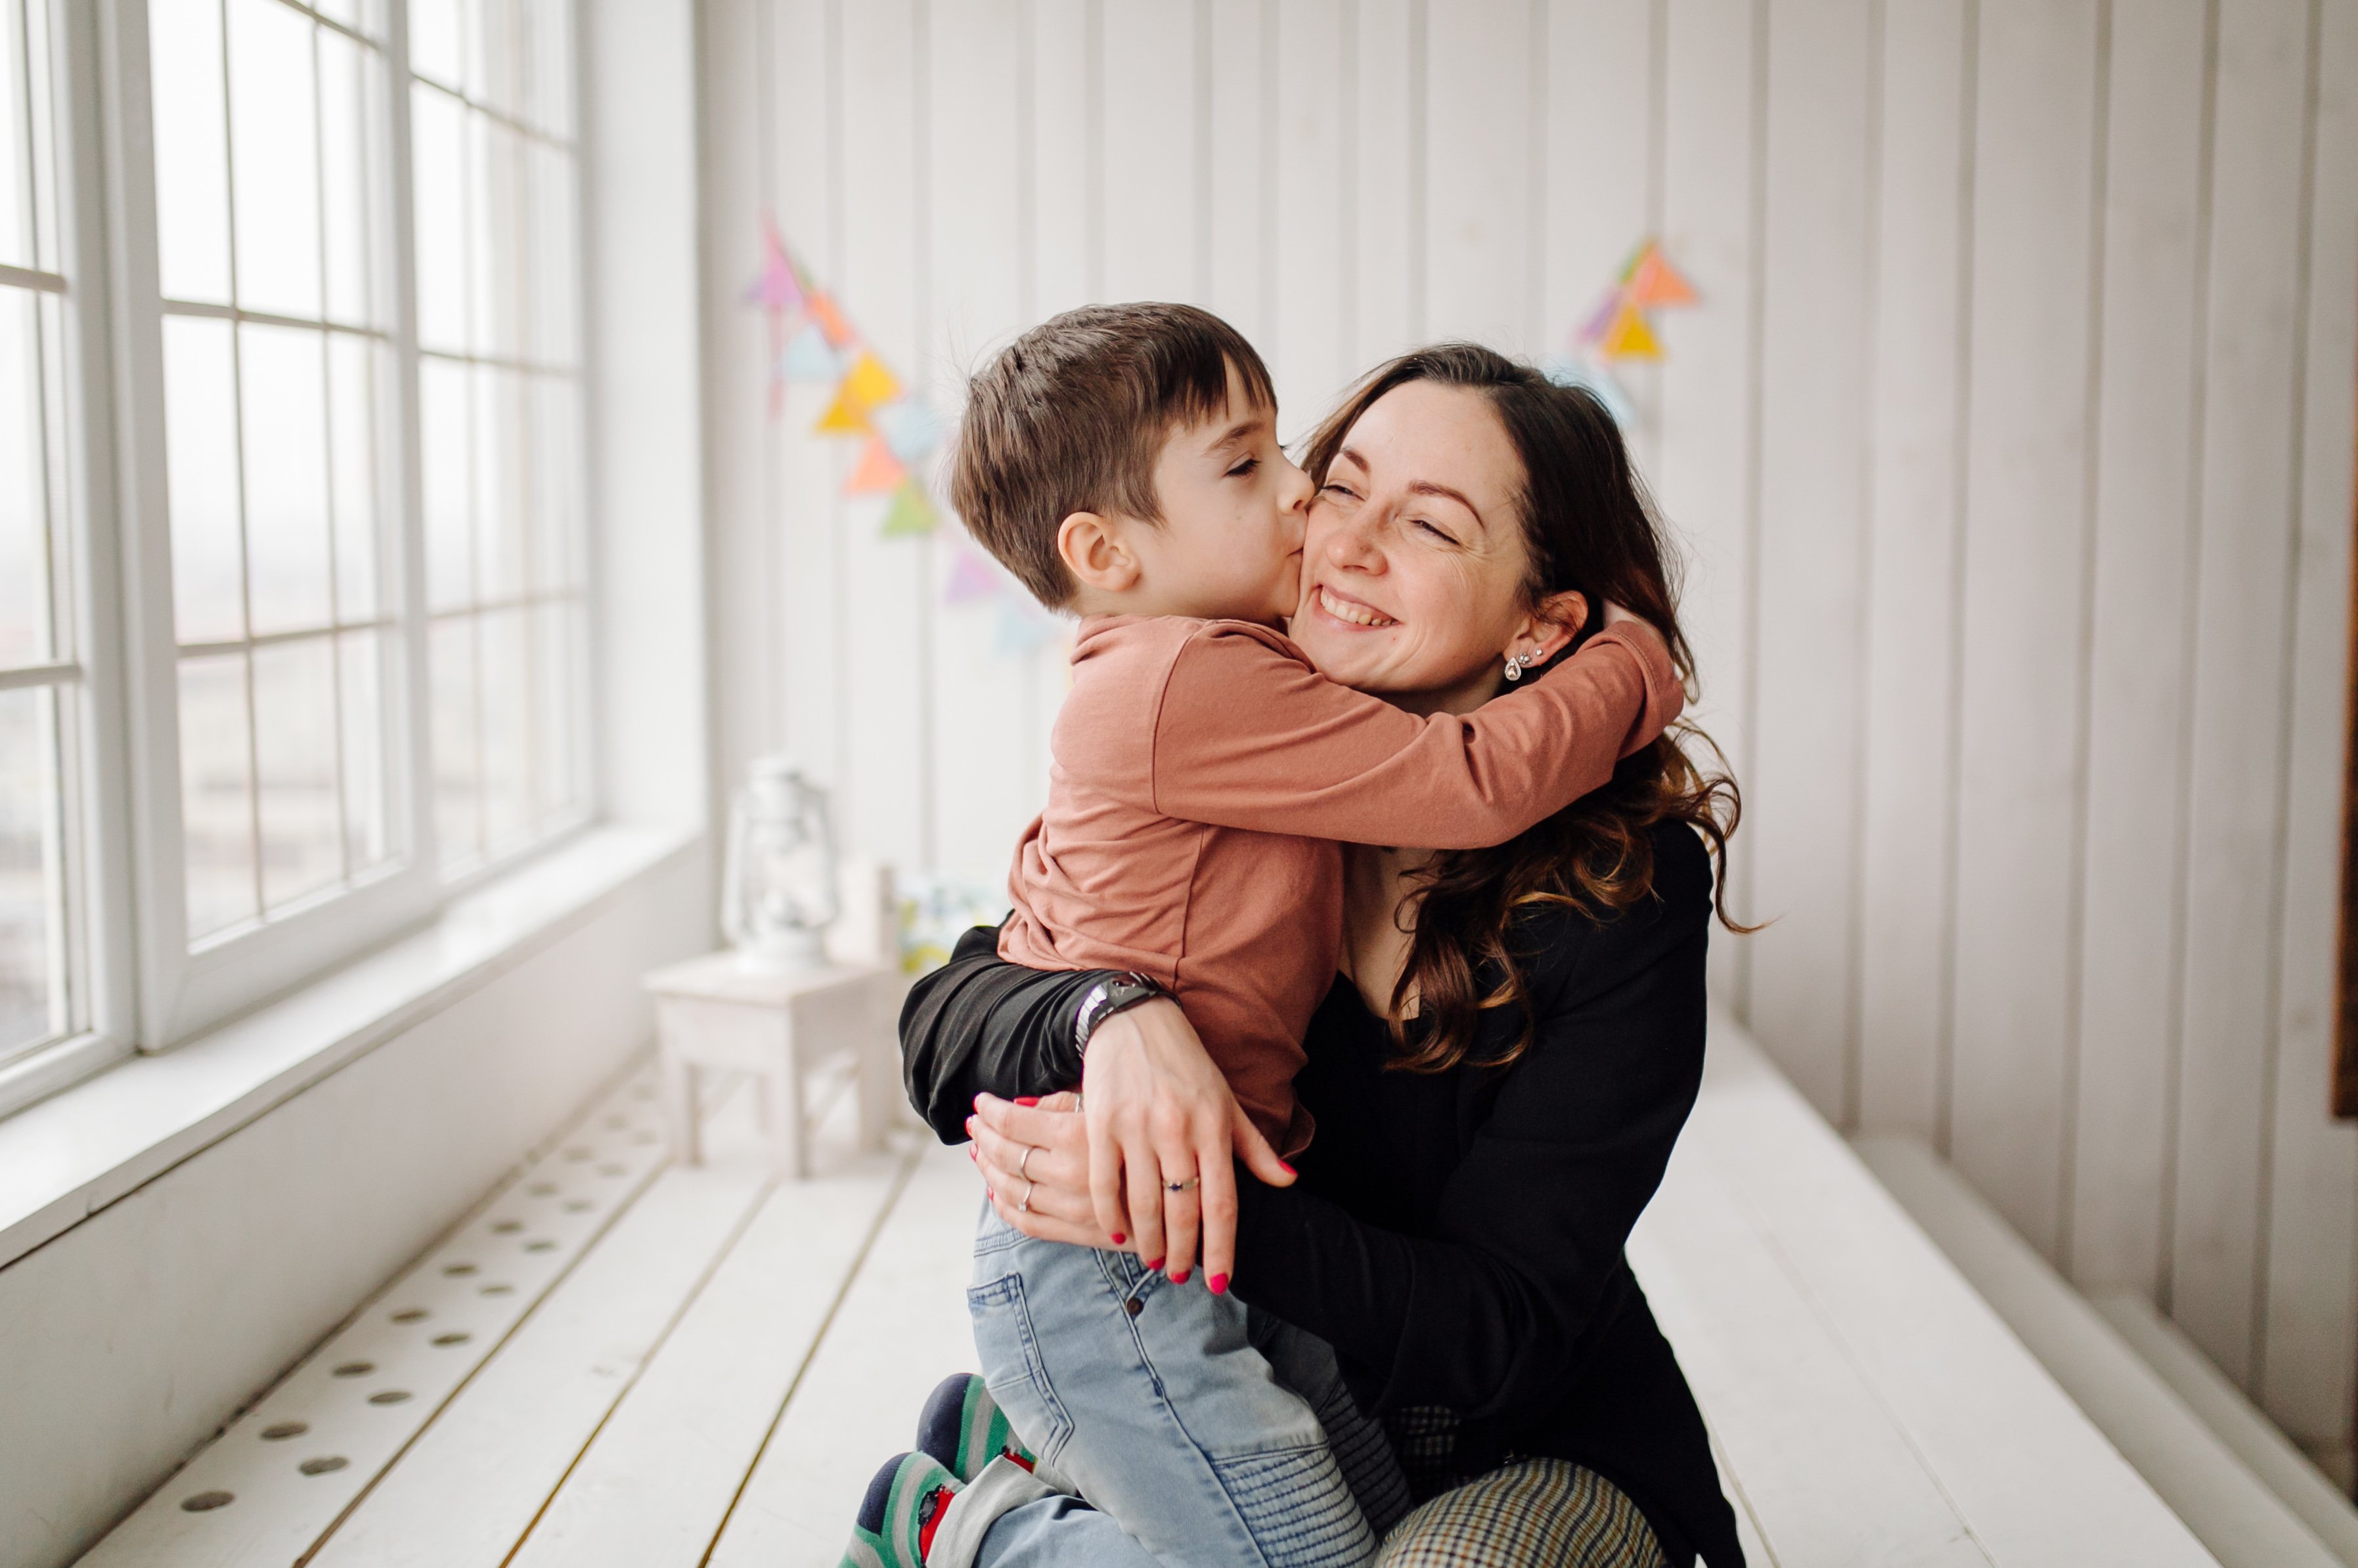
{"x":899,"y":1515}
{"x":962,"y":1428}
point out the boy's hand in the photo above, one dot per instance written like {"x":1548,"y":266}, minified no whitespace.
{"x":1159,"y":1113}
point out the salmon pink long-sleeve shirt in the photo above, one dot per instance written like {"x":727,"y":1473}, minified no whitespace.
{"x":1204,"y":778}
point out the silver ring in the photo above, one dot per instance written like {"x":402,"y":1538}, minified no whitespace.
{"x":1030,"y":1188}
{"x":1029,"y":1150}
{"x":1180,"y":1186}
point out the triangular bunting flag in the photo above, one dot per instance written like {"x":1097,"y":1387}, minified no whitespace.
{"x":1600,"y":320}
{"x":1629,"y":338}
{"x":844,"y":416}
{"x":870,"y":382}
{"x":1654,"y":281}
{"x":970,"y":581}
{"x":822,"y":306}
{"x":880,"y":473}
{"x":909,"y":428}
{"x":911,"y":514}
{"x":777,"y":288}
{"x":807,"y":358}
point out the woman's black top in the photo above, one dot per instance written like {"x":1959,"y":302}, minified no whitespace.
{"x":1456,"y":1237}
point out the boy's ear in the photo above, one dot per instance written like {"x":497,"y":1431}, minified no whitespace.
{"x":1096,"y":554}
{"x":1556,"y":622}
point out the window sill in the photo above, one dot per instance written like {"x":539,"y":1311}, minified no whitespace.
{"x":70,"y":1155}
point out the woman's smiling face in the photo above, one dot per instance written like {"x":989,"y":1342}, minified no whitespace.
{"x":1414,"y":564}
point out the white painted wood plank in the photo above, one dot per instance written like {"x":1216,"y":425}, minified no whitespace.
{"x":1600,"y":183}
{"x":1150,"y":153}
{"x":1306,"y":348}
{"x":1382,"y":168}
{"x":1480,"y":257}
{"x":1241,"y":211}
{"x":355,"y":1403}
{"x":1825,"y":1476}
{"x":2028,"y":1473}
{"x":1068,"y":209}
{"x":1910,"y":694}
{"x":2132,"y":910}
{"x":1706,"y":477}
{"x":2026,"y":477}
{"x":1813,"y":425}
{"x":468,"y":1490}
{"x":2306,"y":1382}
{"x":657,"y":1483}
{"x":2243,"y":607}
{"x":805,"y":565}
{"x":985,"y":786}
{"x":2204,"y":1480}
{"x":883,"y":794}
{"x":901,"y":1329}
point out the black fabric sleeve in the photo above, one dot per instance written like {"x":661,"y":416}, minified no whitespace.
{"x":1488,"y":1313}
{"x":980,"y":1023}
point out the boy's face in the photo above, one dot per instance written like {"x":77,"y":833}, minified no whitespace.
{"x":1229,"y":544}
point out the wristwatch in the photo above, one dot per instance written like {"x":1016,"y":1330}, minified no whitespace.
{"x":1108,"y":997}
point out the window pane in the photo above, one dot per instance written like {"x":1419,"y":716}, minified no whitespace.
{"x":283,"y":370}
{"x":444,"y":423}
{"x":500,"y":472}
{"x":32,"y":958}
{"x":353,"y":402}
{"x":505,"y":650}
{"x":557,"y":539}
{"x":16,"y":247}
{"x":23,"y":494}
{"x":549,"y":228}
{"x":458,"y":818}
{"x":368,"y":840}
{"x":216,"y":801}
{"x":438,"y":134}
{"x":492,"y":270}
{"x":434,"y":41}
{"x":200,"y":444}
{"x":274,"y":140}
{"x":294,"y":736}
{"x":556,"y":653}
{"x":350,"y":96}
{"x":184,"y":64}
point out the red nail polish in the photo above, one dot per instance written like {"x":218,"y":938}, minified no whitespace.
{"x":1219,"y":1284}
{"x":1119,"y":1238}
{"x":1287,"y":1169}
{"x":1027,"y":1099}
{"x":1178,"y":1276}
{"x":1155,"y":1263}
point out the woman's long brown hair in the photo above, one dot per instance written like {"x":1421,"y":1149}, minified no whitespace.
{"x":1591,"y":527}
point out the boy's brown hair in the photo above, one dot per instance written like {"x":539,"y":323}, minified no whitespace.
{"x":1072,"y":417}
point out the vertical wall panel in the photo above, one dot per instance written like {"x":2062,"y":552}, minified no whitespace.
{"x":1065,"y":209}
{"x":881,"y":791}
{"x":1479,"y":221}
{"x":1305,"y":344}
{"x":1705,"y":477}
{"x":1814,"y":348}
{"x":1239,"y":198}
{"x":1911,"y":668}
{"x":2242,"y":610}
{"x":1386,"y":224}
{"x":1149,"y":148}
{"x":987,"y":782}
{"x":2146,"y":442}
{"x":2026,"y":523}
{"x":2304,"y":1380}
{"x":1599,"y":187}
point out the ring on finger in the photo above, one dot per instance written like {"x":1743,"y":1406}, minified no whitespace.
{"x":1021,"y":1165}
{"x":1030,"y":1186}
{"x":1181,"y":1185}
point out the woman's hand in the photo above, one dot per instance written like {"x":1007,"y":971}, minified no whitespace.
{"x":1159,"y":1113}
{"x":1035,"y":1160}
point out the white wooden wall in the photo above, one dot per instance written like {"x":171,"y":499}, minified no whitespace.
{"x":2011,"y":444}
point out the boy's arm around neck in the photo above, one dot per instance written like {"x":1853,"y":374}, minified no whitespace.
{"x":1248,"y":735}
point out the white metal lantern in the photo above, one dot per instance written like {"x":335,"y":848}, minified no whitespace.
{"x":778,"y":889}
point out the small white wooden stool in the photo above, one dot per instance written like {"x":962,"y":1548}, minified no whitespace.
{"x":712,"y":1012}
{"x":716,"y":1011}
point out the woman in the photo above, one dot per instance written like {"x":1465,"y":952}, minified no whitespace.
{"x":1501,"y":1071}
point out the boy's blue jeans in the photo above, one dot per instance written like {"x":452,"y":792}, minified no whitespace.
{"x":1216,"y":1435}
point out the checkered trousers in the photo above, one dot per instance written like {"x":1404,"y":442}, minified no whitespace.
{"x":1527,"y":1513}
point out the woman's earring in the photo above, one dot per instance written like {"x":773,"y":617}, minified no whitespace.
{"x":1518,"y":663}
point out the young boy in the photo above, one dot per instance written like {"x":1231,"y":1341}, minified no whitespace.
{"x":1122,"y":461}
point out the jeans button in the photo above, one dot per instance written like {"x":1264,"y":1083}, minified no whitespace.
{"x":1133,"y":1306}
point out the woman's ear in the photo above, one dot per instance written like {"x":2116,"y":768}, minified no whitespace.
{"x":1556,"y":622}
{"x":1095,"y":554}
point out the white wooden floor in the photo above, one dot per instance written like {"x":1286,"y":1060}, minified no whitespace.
{"x":617,"y":1360}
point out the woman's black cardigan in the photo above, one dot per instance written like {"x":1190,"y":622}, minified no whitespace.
{"x":1457,"y":1237}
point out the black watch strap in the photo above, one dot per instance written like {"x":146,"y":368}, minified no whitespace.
{"x":1108,"y":997}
